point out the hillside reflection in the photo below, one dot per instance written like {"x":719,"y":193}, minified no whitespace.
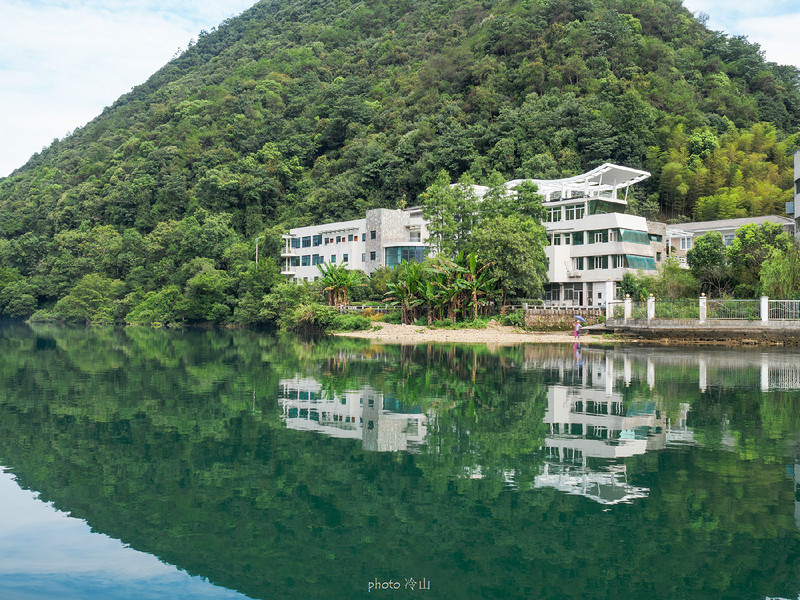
{"x":289,"y":468}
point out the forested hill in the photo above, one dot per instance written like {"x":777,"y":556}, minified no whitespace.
{"x":301,"y":111}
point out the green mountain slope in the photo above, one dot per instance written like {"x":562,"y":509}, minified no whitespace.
{"x":299,"y":112}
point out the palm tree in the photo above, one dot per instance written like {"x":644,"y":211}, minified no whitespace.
{"x":338,"y":281}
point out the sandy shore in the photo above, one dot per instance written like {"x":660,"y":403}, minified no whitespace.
{"x":494,"y":335}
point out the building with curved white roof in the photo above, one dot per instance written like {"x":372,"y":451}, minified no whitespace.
{"x":592,"y":242}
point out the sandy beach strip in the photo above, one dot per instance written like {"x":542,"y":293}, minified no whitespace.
{"x":494,"y":335}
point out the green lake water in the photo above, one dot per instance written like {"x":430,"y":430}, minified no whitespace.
{"x":142,"y":463}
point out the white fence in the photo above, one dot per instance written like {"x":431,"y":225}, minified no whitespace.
{"x":705,"y":309}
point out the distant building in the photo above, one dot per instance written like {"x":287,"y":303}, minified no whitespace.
{"x":681,"y":238}
{"x":383,"y":239}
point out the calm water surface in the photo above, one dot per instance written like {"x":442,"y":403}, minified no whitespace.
{"x":142,"y":463}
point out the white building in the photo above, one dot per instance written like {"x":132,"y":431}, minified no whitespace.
{"x":384,"y":238}
{"x":592,"y":243}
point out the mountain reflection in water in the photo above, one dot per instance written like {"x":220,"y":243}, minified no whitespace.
{"x":278,"y":467}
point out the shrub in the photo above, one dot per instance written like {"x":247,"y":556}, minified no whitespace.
{"x":514,"y":319}
{"x":309,"y":317}
{"x":350,"y":323}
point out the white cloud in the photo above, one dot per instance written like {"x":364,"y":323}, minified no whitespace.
{"x":772,"y":24}
{"x":62,"y":62}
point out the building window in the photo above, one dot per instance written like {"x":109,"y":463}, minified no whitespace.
{"x":578,"y":263}
{"x":557,"y":239}
{"x":397,"y":254}
{"x":373,"y":234}
{"x":573,"y":211}
{"x":338,"y":239}
{"x":333,"y":258}
{"x":553,"y":215}
{"x":363,"y":237}
{"x":567,"y":239}
{"x":613,"y":235}
{"x":316,"y":259}
{"x":295,"y":242}
{"x":414,"y":236}
{"x":307,"y":242}
{"x":350,"y":237}
{"x":372,"y":255}
{"x":344,"y":258}
{"x":728,"y":238}
{"x":577,"y":238}
{"x":317,"y":240}
{"x":363,"y":257}
{"x":306,"y":260}
{"x":658,"y":256}
{"x":295,"y":261}
{"x":686,"y":243}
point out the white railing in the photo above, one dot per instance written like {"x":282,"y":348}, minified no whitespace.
{"x":784,"y":310}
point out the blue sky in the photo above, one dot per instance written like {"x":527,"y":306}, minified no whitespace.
{"x":63,"y":61}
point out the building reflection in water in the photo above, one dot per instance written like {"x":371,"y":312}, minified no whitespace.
{"x":592,"y":426}
{"x":380,"y":422}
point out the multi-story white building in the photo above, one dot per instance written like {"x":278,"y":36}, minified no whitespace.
{"x":383,"y":239}
{"x":592,"y":243}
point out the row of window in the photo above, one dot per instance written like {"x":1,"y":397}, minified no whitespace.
{"x":571,"y":212}
{"x":319,"y":240}
{"x":308,"y":260}
{"x":601,"y":236}
{"x":614,"y":261}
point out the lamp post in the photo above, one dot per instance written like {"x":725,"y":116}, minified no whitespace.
{"x":258,"y":238}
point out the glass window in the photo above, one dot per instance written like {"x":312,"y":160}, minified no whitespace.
{"x":363,"y":237}
{"x":372,"y":255}
{"x":350,"y":237}
{"x":598,"y":237}
{"x":316,"y":259}
{"x":577,"y":238}
{"x":338,"y":239}
{"x":567,"y":239}
{"x":373,"y":234}
{"x":317,"y":240}
{"x":728,"y":238}
{"x":686,"y":243}
{"x":333,"y":258}
{"x":557,"y":239}
{"x":344,"y":258}
{"x":307,"y":242}
{"x":578,"y":263}
{"x":363,"y":257}
{"x":414,"y":236}
{"x":553,"y":214}
{"x":306,"y":260}
{"x":397,"y":254}
{"x":613,"y":235}
{"x":295,"y":242}
{"x":647,"y":263}
{"x":636,"y":237}
{"x":295,"y":261}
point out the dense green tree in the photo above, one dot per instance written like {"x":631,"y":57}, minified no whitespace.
{"x":710,"y":264}
{"x":513,"y":248}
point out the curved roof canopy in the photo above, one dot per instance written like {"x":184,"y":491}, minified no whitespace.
{"x":605,"y":178}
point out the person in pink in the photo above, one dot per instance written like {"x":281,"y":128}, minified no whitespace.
{"x":577,"y":329}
